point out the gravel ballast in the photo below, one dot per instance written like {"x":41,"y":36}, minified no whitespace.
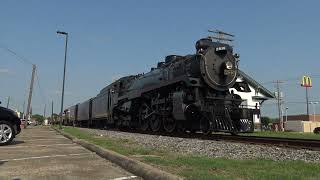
{"x":211,"y":148}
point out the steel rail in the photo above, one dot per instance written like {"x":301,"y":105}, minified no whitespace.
{"x":310,"y":144}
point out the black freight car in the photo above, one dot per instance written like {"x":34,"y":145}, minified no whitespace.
{"x":84,"y":113}
{"x":73,"y":111}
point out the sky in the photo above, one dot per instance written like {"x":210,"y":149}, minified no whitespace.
{"x":276,"y":40}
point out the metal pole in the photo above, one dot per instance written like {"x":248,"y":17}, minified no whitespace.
{"x":261,"y":128}
{"x":64,"y":77}
{"x":286,"y":114}
{"x":44,"y":111}
{"x":278,"y":100}
{"x":279,"y":105}
{"x":24,"y":104}
{"x":315,"y":108}
{"x":52,"y":112}
{"x":307,"y":99}
{"x":8,"y":102}
{"x":314,"y":111}
{"x":30,"y":95}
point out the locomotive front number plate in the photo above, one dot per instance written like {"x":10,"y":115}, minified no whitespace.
{"x":228,"y":72}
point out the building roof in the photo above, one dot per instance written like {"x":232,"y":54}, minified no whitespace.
{"x":255,"y":84}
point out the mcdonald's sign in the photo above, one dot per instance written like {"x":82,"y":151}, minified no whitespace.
{"x":306,"y":81}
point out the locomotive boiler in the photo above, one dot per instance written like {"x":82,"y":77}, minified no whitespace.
{"x":183,"y":93}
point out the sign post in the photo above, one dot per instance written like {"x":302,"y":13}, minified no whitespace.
{"x":307,"y":83}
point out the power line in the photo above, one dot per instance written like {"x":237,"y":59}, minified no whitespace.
{"x":40,"y":89}
{"x":19,"y":57}
{"x":298,"y":78}
{"x":26,"y":61}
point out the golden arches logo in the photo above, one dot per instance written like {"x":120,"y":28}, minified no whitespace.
{"x":306,"y":81}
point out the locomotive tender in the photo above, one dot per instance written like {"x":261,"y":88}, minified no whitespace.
{"x":184,"y":93}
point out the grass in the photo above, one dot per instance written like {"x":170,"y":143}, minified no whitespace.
{"x":202,"y":167}
{"x":122,"y":146}
{"x":196,"y":167}
{"x":296,"y":135}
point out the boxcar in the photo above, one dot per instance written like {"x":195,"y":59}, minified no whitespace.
{"x":84,"y":113}
{"x":73,"y":111}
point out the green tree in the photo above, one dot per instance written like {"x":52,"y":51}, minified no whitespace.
{"x":39,"y":118}
{"x":55,"y":117}
{"x":265,"y":121}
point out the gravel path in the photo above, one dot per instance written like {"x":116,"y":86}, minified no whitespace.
{"x":212,"y":148}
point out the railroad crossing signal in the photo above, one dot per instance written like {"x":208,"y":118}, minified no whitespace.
{"x":306,"y":81}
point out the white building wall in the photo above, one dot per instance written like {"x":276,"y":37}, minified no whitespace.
{"x":250,"y":102}
{"x":301,"y":126}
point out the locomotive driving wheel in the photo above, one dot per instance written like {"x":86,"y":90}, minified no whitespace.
{"x":169,"y":124}
{"x":155,"y":122}
{"x":144,"y":116}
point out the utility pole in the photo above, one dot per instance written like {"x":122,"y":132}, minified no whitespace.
{"x":287,"y":114}
{"x":8,"y":102}
{"x":24,"y":104}
{"x":64,"y":75}
{"x":279,"y":102}
{"x":52,"y":112}
{"x":44,"y":111}
{"x":314,"y":103}
{"x":30,"y":95}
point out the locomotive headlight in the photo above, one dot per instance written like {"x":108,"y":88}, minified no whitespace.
{"x":229,"y":65}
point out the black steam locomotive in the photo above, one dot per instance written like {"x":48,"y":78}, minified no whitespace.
{"x":184,"y":93}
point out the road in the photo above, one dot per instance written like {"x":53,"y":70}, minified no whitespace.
{"x":42,"y":153}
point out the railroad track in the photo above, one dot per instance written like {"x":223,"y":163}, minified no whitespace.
{"x":309,"y":144}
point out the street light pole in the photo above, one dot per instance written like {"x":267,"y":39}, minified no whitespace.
{"x":314,"y":112}
{"x":314,"y":109}
{"x":287,"y":114}
{"x":8,"y":102}
{"x":314,"y":117}
{"x":307,"y":99}
{"x":64,"y":75}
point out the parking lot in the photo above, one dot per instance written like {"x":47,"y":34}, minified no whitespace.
{"x":42,"y":153}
